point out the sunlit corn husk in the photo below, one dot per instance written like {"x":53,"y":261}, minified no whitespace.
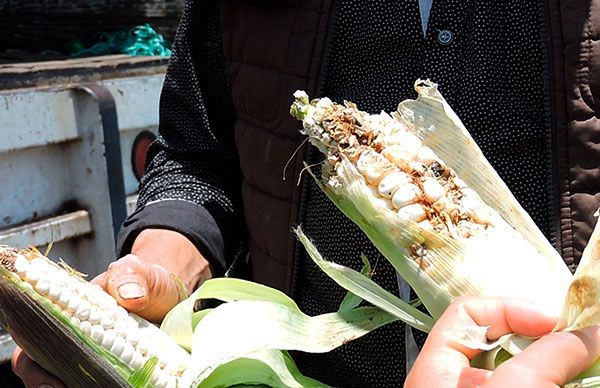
{"x":420,"y":188}
{"x":105,"y":344}
{"x":582,"y":305}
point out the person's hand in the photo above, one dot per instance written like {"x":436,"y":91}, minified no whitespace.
{"x":550,"y":361}
{"x":163,"y":266}
{"x":141,"y":282}
{"x":32,"y":375}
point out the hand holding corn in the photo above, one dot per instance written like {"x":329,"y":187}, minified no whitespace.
{"x":551,"y":361}
{"x":143,"y":283}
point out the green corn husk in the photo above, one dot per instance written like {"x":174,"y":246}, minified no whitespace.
{"x":241,"y":342}
{"x":255,"y":322}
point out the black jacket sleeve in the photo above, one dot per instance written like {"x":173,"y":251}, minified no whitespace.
{"x":192,"y":182}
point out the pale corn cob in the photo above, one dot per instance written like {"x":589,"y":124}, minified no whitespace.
{"x":405,"y":175}
{"x":130,"y":338}
{"x":407,"y":200}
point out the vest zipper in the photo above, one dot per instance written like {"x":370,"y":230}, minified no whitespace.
{"x":311,"y":155}
{"x":552,"y":132}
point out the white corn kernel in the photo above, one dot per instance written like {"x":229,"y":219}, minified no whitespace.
{"x":83,"y":310}
{"x":96,"y":332}
{"x":21,"y":265}
{"x":76,"y":321}
{"x":86,"y":327}
{"x":109,"y":339}
{"x":425,"y":224}
{"x":459,"y":183}
{"x":106,"y":322}
{"x":119,"y":312}
{"x":405,"y":195}
{"x":118,"y":346}
{"x":137,"y":360}
{"x":400,"y":156}
{"x":43,"y":287}
{"x":162,"y":381}
{"x":33,"y":274}
{"x":426,"y":155}
{"x":127,"y":353}
{"x":414,"y":212}
{"x":73,"y":303}
{"x":406,"y":140}
{"x":133,"y":337}
{"x":481,"y":215}
{"x":433,"y":190}
{"x":39,"y":263}
{"x":65,"y":297}
{"x":54,"y":292}
{"x":388,"y":185}
{"x":121,"y":327}
{"x":443,"y":203}
{"x":95,"y":316}
{"x":143,"y":347}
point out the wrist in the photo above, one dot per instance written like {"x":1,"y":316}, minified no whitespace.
{"x":175,"y":253}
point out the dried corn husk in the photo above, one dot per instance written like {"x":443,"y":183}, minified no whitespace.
{"x":507,"y":257}
{"x":491,"y":252}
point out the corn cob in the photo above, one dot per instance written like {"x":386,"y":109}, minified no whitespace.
{"x":128,"y":337}
{"x":404,"y":174}
{"x":383,"y":171}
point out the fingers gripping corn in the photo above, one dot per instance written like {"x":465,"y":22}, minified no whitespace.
{"x":407,"y":176}
{"x":130,"y":338}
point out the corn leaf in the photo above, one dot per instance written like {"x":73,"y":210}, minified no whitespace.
{"x":181,"y":321}
{"x":367,"y":289}
{"x":351,"y":300}
{"x":239,"y":328}
{"x":269,"y":368}
{"x":141,"y":377}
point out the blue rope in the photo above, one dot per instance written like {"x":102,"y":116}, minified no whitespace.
{"x":139,"y":41}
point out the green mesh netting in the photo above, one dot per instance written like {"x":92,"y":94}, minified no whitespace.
{"x":141,"y":40}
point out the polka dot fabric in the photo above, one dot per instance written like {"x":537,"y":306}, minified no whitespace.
{"x":491,"y":72}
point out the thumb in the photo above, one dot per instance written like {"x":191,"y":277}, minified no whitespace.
{"x":127,"y":280}
{"x":143,"y":288}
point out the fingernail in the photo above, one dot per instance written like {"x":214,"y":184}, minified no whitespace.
{"x":45,"y":386}
{"x":131,"y":291}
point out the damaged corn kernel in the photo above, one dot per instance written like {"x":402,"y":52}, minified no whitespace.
{"x":404,"y":175}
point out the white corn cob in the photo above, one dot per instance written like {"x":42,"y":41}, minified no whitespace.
{"x":457,"y":243}
{"x":396,"y":165}
{"x":127,"y":336}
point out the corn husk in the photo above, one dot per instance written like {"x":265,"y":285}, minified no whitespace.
{"x":496,"y":262}
{"x":255,"y":322}
{"x":511,"y":258}
{"x":243,"y":341}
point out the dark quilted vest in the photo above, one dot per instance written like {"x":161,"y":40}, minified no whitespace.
{"x":273,"y":48}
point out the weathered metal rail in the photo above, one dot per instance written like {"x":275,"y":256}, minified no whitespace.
{"x":66,"y":174}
